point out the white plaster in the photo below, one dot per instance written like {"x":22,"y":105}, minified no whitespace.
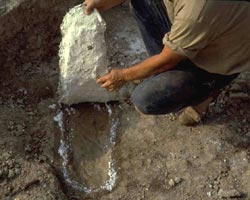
{"x":83,"y":58}
{"x":59,"y":119}
{"x":109,"y":185}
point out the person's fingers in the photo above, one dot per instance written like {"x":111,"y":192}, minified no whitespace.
{"x":111,"y":89}
{"x":106,"y":85}
{"x":89,"y":6}
{"x":101,"y":80}
{"x":114,"y":87}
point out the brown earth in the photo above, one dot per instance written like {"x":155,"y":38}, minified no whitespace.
{"x":155,"y":158}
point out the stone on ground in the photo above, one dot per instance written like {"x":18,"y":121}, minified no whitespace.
{"x":231,"y":193}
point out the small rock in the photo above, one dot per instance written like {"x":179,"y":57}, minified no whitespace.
{"x":231,"y":193}
{"x":236,"y":87}
{"x":5,"y":170}
{"x":42,"y":158}
{"x":18,"y":133}
{"x":28,"y":148}
{"x":11,"y":125}
{"x":174,"y":182}
{"x":209,"y":194}
{"x":31,"y":114}
{"x":17,"y":171}
{"x":11,"y":174}
{"x":171,"y":183}
{"x":20,"y":101}
{"x":1,"y":173}
{"x":248,"y":134}
{"x":10,"y":163}
{"x":19,"y":128}
{"x":166,"y":173}
{"x":177,"y":180}
{"x":6,"y":156}
{"x":149,"y":162}
{"x":239,"y":95}
{"x":28,"y":157}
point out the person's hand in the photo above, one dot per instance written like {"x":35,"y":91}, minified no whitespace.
{"x":100,"y":5}
{"x":113,"y":80}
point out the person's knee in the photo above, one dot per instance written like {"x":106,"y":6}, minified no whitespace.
{"x":146,"y":106}
{"x":164,"y":93}
{"x":140,"y":103}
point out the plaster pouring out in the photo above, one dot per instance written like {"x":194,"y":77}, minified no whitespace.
{"x":83,"y":58}
{"x":86,"y":148}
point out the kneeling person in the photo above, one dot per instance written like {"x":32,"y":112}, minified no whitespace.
{"x":196,"y":48}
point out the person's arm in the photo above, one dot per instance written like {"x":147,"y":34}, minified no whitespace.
{"x":164,"y":61}
{"x":100,"y":5}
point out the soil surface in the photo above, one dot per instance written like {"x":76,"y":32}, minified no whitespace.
{"x":111,"y":149}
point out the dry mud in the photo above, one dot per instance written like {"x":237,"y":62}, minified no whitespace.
{"x":153,"y":158}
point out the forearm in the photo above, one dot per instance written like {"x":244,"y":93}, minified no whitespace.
{"x":151,"y":66}
{"x":166,"y":60}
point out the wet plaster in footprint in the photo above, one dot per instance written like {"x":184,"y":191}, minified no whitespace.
{"x":88,"y":136}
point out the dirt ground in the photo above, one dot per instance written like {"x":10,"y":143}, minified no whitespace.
{"x":112,"y":147}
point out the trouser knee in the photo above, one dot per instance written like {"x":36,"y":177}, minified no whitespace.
{"x":147,"y":107}
{"x":164,"y":93}
{"x":140,"y":104}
